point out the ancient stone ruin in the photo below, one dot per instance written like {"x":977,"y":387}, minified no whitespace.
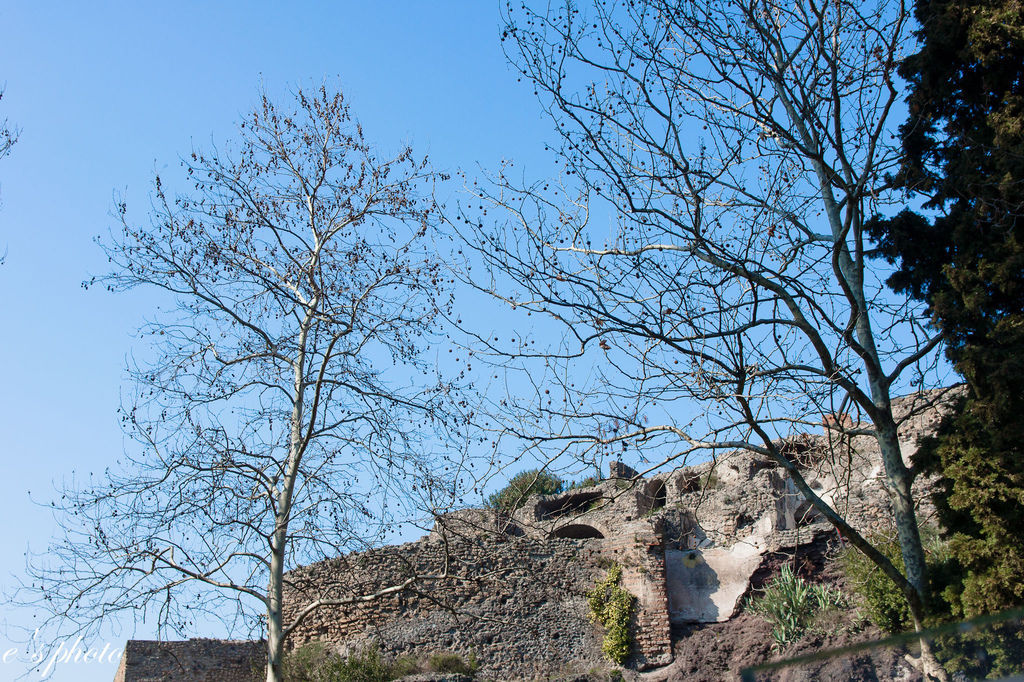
{"x":195,"y":660}
{"x":510,"y":590}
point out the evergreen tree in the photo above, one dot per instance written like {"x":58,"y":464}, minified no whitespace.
{"x":964,"y":146}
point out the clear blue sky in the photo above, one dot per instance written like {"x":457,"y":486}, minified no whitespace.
{"x":107,"y":92}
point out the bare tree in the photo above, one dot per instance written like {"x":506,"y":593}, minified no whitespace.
{"x":706,"y":239}
{"x":289,"y":413}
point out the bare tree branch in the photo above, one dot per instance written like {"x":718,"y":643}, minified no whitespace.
{"x":290,"y":412}
{"x":733,"y":151}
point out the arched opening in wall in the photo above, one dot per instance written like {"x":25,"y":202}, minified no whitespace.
{"x":654,"y":497}
{"x":573,"y":503}
{"x":688,"y":484}
{"x":577,"y":531}
{"x":658,"y":495}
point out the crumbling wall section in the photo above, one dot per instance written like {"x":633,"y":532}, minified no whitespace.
{"x":194,"y":660}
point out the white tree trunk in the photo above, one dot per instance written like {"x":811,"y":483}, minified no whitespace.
{"x":275,"y":590}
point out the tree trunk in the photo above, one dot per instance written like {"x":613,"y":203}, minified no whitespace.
{"x":275,"y":641}
{"x":275,"y":590}
{"x":899,"y":482}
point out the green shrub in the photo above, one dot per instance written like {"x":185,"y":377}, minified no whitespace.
{"x":315,"y":662}
{"x":995,"y":652}
{"x":588,"y":482}
{"x":623,"y":483}
{"x":450,"y":663}
{"x":883,"y":602}
{"x":979,"y":497}
{"x":365,"y":666}
{"x":613,"y":607}
{"x":522,"y":485}
{"x":992,"y":652}
{"x":311,"y":662}
{"x":791,"y":604}
{"x":404,"y":665}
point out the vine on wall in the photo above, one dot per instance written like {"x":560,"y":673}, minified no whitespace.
{"x":613,"y":607}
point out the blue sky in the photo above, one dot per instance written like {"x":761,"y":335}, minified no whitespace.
{"x":107,"y":93}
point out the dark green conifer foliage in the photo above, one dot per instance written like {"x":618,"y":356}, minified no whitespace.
{"x":964,"y":145}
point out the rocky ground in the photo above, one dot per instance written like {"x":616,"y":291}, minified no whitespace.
{"x":720,"y":651}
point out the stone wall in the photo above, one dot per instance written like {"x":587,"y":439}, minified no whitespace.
{"x":510,"y":591}
{"x":517,"y":605}
{"x":195,"y":660}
